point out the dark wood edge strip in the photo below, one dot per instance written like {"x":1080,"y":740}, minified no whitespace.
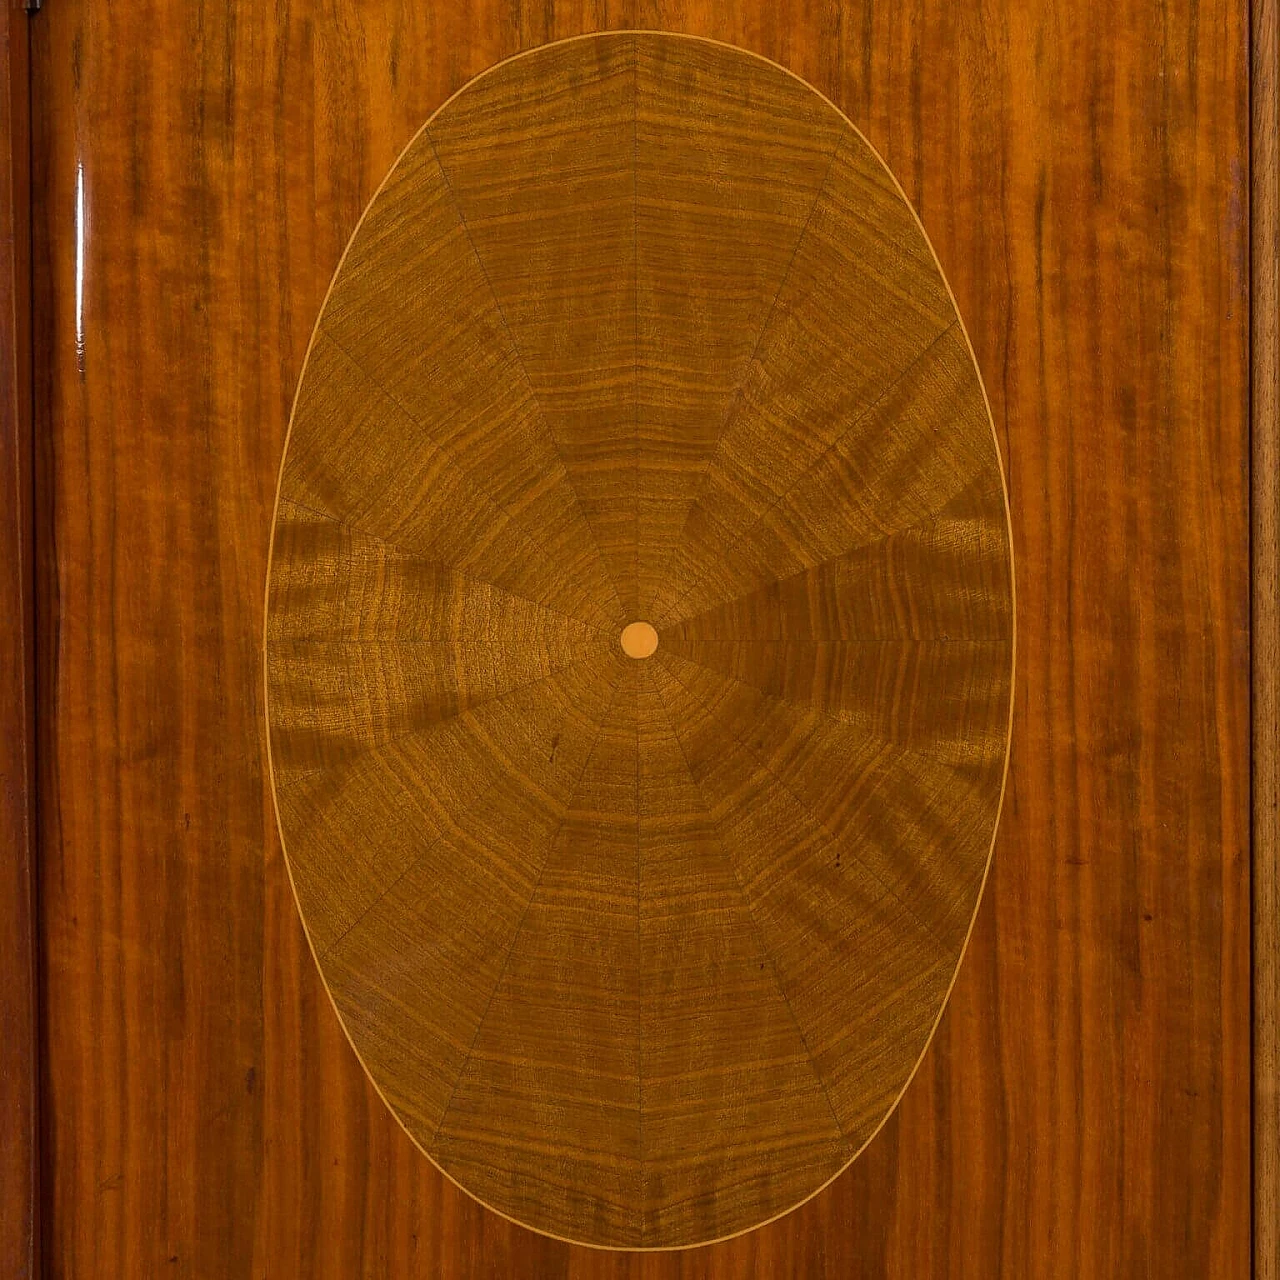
{"x":1265,"y":634}
{"x":19,"y":1033}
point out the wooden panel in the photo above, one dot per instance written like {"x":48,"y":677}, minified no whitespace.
{"x":1081,"y":171}
{"x":19,"y":1069}
{"x":605,"y":1092}
{"x":1265,"y":621}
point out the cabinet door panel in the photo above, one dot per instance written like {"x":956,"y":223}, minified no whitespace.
{"x":1082,"y":172}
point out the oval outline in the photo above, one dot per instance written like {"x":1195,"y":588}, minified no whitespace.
{"x":1013,"y":642}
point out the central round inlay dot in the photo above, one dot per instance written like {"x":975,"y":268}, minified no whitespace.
{"x":639,"y":640}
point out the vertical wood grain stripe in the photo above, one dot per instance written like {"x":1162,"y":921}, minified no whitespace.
{"x":19,"y":1040}
{"x":1265,"y":388}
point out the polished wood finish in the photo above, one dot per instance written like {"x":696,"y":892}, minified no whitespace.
{"x":1265,"y":626}
{"x":1082,"y":172}
{"x":642,"y":956}
{"x":19,"y":1050}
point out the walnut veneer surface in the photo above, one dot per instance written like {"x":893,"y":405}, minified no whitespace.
{"x":641,"y":945}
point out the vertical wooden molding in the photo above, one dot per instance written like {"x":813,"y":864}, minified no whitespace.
{"x":1265,"y":381}
{"x":19,"y":1075}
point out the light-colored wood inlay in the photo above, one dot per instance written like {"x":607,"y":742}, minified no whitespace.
{"x":639,"y":640}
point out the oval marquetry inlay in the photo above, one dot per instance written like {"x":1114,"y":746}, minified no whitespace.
{"x":639,"y":640}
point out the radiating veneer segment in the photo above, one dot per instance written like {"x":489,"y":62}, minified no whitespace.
{"x":723,"y":195}
{"x":873,"y":638}
{"x":860,"y":973}
{"x":331,"y":581}
{"x":726,"y":1076}
{"x":353,"y":827}
{"x":367,"y":644}
{"x":920,"y":825}
{"x":945,"y":579}
{"x":948,"y":700}
{"x":831,"y":470}
{"x":546,"y":1118}
{"x":414,"y":312}
{"x":414,"y":973}
{"x":546,"y":187}
{"x":359,"y":459}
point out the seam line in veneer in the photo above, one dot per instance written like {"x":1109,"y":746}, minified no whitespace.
{"x":414,"y":863}
{"x":643,"y":1181}
{"x":713,"y":455}
{"x":843,"y":1138}
{"x":901,"y":749}
{"x":447,"y":453}
{"x":418,"y":642}
{"x":915,"y":527}
{"x":849,"y":720}
{"x":382,"y":895}
{"x":515,"y":936}
{"x":639,"y":584}
{"x":906,"y":642}
{"x":808,"y":809}
{"x":417,"y":558}
{"x":524,"y":370}
{"x":635,"y":325}
{"x":912,"y":364}
{"x":339,"y":773}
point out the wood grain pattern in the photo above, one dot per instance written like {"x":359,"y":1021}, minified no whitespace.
{"x":1265,"y":632}
{"x":19,"y":1044}
{"x":1081,"y":170}
{"x":659,"y":998}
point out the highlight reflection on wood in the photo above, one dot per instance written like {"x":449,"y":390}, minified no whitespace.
{"x":641,"y":945}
